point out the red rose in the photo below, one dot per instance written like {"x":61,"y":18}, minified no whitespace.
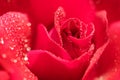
{"x":83,"y":44}
{"x":48,"y":62}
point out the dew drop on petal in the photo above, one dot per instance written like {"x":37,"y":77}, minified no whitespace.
{"x":25,"y":79}
{"x":4,"y":55}
{"x":28,"y":48}
{"x":59,"y":15}
{"x":12,"y":48}
{"x":14,"y":60}
{"x":99,"y":78}
{"x":26,"y":40}
{"x":26,"y":58}
{"x":1,"y":41}
{"x":28,"y":24}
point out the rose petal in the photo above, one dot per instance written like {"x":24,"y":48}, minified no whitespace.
{"x":112,"y":7}
{"x":107,"y":66}
{"x":16,"y":70}
{"x":44,"y":10}
{"x":15,"y":35}
{"x":44,"y":42}
{"x":101,"y":25}
{"x":76,"y":36}
{"x":49,"y":67}
{"x":86,"y":41}
{"x":4,"y":75}
{"x":55,"y":36}
{"x":14,"y":5}
{"x":58,"y":19}
{"x":91,"y":71}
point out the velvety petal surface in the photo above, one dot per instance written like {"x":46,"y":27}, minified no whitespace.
{"x":47,"y":66}
{"x":72,"y":34}
{"x":101,"y":26}
{"x":112,"y":7}
{"x":107,"y":67}
{"x":14,"y":5}
{"x":44,"y":42}
{"x":82,"y":9}
{"x":5,"y":74}
{"x":15,"y":70}
{"x":15,"y":32}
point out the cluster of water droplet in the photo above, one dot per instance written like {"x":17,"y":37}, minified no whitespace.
{"x":15,"y":36}
{"x":15,"y":41}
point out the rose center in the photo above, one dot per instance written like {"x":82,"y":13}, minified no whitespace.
{"x":76,"y":36}
{"x":71,"y":28}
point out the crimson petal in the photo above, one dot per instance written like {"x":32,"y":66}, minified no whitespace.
{"x":82,"y":9}
{"x":101,"y":25}
{"x":16,"y":70}
{"x":47,"y":66}
{"x":91,"y":71}
{"x":107,"y":66}
{"x":44,"y":42}
{"x":112,"y":7}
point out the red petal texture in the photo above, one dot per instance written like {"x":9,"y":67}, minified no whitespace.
{"x":5,"y":74}
{"x":14,"y":44}
{"x":107,"y":66}
{"x":14,"y":5}
{"x":71,"y":33}
{"x":59,"y":18}
{"x":44,"y":42}
{"x":81,"y":9}
{"x":47,"y":66}
{"x":53,"y":50}
{"x":101,"y":26}
{"x":112,"y":7}
{"x":15,"y":35}
{"x":16,"y":70}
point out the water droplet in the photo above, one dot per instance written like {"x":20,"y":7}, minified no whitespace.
{"x":28,"y":24}
{"x":99,"y":78}
{"x":12,"y":48}
{"x":4,"y":55}
{"x":28,"y":48}
{"x":26,"y":40}
{"x":1,"y":41}
{"x":24,"y":78}
{"x":19,"y":28}
{"x":22,"y":21}
{"x":26,"y":58}
{"x":14,"y":60}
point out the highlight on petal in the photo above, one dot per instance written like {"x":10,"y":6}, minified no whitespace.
{"x":15,"y":35}
{"x":91,"y":72}
{"x":58,"y":19}
{"x":101,"y":27}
